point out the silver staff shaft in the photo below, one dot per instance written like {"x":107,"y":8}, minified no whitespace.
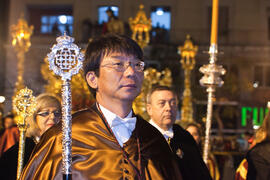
{"x":66,"y":127}
{"x":65,"y":60}
{"x":210,"y":91}
{"x":21,"y":151}
{"x":210,"y":80}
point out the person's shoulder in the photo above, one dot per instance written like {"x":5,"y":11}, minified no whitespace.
{"x":14,"y":128}
{"x":178,"y":130}
{"x":150,"y":134}
{"x":177,"y":127}
{"x":81,"y":112}
{"x":262,"y":147}
{"x":259,"y":151}
{"x":84,"y":115}
{"x":145,"y":125}
{"x":147,"y":130}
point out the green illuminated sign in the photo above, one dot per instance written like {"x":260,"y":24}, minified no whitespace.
{"x":255,"y":114}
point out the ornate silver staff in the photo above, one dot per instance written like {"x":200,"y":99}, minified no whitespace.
{"x":211,"y":77}
{"x":65,"y":59}
{"x":24,"y":105}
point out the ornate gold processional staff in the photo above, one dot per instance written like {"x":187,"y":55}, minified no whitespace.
{"x":140,"y":27}
{"x":188,"y":53}
{"x":24,"y":105}
{"x":211,"y":77}
{"x":65,"y":59}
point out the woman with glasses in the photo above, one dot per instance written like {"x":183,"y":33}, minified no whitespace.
{"x":48,"y":113}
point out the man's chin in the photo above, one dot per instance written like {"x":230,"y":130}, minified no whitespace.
{"x":169,"y":121}
{"x":128,"y":98}
{"x":130,"y":94}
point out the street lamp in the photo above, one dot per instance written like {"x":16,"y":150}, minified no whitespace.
{"x":21,"y":34}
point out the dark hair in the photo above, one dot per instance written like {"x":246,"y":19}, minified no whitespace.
{"x":110,"y":10}
{"x":159,"y":88}
{"x":197,"y":126}
{"x":100,"y":47}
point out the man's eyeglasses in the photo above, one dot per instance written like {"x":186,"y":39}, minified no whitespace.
{"x":121,"y":66}
{"x":47,"y":113}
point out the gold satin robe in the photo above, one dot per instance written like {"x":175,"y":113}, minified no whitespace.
{"x":96,"y":154}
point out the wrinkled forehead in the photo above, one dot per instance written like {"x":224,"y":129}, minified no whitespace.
{"x":163,"y":95}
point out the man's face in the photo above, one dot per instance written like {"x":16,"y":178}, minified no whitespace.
{"x":47,"y":117}
{"x":8,"y":122}
{"x":163,"y":108}
{"x":114,"y":84}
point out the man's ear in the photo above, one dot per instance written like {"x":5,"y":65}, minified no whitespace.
{"x":92,"y":79}
{"x":149,"y":109}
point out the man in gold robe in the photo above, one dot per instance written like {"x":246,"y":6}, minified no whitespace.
{"x":108,"y":140}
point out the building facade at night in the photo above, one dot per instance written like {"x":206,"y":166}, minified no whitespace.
{"x":243,"y":40}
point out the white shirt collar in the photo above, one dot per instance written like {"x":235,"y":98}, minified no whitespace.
{"x":121,"y":131}
{"x":110,"y":116}
{"x":166,"y":133}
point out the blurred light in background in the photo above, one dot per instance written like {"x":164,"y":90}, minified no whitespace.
{"x":2,"y":99}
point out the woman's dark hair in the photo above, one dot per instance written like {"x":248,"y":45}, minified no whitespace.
{"x":197,"y":126}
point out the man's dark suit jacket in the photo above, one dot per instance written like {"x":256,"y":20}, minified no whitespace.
{"x":189,"y":158}
{"x":9,"y":160}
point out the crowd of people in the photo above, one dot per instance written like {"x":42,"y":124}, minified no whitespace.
{"x":109,"y":141}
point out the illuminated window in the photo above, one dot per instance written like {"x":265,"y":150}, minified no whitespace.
{"x":102,"y":15}
{"x":161,"y":17}
{"x":56,"y":24}
{"x":51,"y":20}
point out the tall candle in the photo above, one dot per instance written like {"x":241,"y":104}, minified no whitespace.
{"x":214,"y":27}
